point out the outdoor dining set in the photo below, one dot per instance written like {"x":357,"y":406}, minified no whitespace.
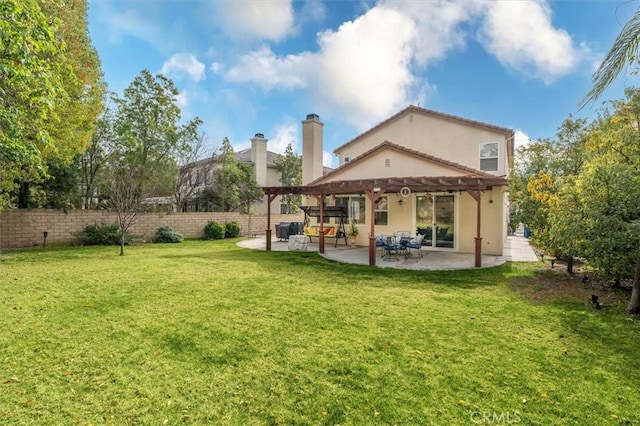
{"x":399,"y":244}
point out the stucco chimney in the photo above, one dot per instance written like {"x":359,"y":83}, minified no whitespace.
{"x":259,"y":158}
{"x":311,"y":148}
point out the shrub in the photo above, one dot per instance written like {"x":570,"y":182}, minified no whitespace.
{"x":165,"y":234}
{"x":231,"y":229}
{"x":103,"y":234}
{"x":213,"y":231}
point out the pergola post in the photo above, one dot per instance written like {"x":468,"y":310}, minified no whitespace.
{"x":477,"y":195}
{"x":373,"y":197}
{"x":320,"y":199}
{"x":270,"y":198}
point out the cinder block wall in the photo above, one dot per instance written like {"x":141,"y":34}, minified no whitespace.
{"x":24,"y":228}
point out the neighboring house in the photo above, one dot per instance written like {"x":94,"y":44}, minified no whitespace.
{"x":200,"y":174}
{"x":419,"y":171}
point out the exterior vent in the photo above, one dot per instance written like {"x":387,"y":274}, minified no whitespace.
{"x":259,"y":135}
{"x":346,"y":159}
{"x":313,"y":117}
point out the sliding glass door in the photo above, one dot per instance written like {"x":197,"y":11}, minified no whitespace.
{"x":435,"y":219}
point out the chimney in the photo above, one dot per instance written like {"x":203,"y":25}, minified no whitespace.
{"x":311,"y":148}
{"x":259,"y":158}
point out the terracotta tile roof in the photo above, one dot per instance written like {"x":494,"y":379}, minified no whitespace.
{"x":469,"y":171}
{"x":412,"y":108}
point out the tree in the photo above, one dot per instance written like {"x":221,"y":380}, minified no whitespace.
{"x":146,"y":133}
{"x":624,"y":52}
{"x":125,"y":186}
{"x":589,"y":207}
{"x":93,"y":160}
{"x":76,"y":107}
{"x":233,"y":184}
{"x":541,"y":169}
{"x":189,"y":177}
{"x":249,"y":191}
{"x":30,"y":85}
{"x":289,"y":166}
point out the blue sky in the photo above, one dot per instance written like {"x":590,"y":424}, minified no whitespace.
{"x":259,"y":66}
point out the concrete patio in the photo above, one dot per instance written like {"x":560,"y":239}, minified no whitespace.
{"x":517,"y":249}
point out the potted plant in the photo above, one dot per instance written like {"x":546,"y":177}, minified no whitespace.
{"x":352,"y":233}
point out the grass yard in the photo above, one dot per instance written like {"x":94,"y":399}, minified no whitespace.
{"x":208,"y":333}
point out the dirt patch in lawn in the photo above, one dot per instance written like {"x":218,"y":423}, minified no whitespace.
{"x":553,"y":284}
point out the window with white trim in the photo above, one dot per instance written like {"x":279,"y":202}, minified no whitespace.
{"x":489,"y":154}
{"x":381,"y":211}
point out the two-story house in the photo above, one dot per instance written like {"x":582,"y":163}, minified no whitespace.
{"x":420,"y":171}
{"x":200,"y":174}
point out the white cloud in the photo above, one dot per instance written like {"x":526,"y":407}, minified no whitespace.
{"x":521,"y":35}
{"x":313,"y":10}
{"x":366,"y":69}
{"x":364,"y":66}
{"x":520,"y":139}
{"x":439,"y":25}
{"x":181,"y":99}
{"x":327,"y":159}
{"x":215,"y":67}
{"x":362,"y":69}
{"x":266,"y":69}
{"x":184,"y":64}
{"x":284,"y":134}
{"x":257,"y":19}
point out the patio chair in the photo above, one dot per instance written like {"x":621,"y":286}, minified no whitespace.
{"x":380,"y":243}
{"x":390,"y":249}
{"x":416,"y":244}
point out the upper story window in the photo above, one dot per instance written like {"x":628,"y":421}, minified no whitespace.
{"x":489,"y":153}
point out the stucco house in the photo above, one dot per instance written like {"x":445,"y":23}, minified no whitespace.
{"x":420,"y":171}
{"x":200,"y":174}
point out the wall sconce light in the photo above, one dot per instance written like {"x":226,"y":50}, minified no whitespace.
{"x":400,"y":202}
{"x":376,"y":188}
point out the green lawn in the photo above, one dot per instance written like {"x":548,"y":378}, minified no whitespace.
{"x":208,"y":333}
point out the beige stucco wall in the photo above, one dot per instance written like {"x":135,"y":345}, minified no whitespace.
{"x":444,"y":138}
{"x":273,"y":179}
{"x":400,"y":164}
{"x":401,"y":217}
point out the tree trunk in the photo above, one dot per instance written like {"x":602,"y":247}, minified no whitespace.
{"x":634,"y":303}
{"x":23,"y":195}
{"x":122,"y":244}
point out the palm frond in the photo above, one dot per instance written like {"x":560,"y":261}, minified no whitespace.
{"x":624,"y":52}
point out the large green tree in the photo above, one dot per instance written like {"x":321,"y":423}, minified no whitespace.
{"x":31,"y":83}
{"x":540,"y":171}
{"x":146,"y":134}
{"x":289,"y":166}
{"x":71,"y":122}
{"x":233,"y":183}
{"x":589,"y":205}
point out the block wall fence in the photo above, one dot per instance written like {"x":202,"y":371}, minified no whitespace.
{"x":24,"y":227}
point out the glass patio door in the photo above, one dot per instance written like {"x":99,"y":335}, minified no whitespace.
{"x":435,"y":219}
